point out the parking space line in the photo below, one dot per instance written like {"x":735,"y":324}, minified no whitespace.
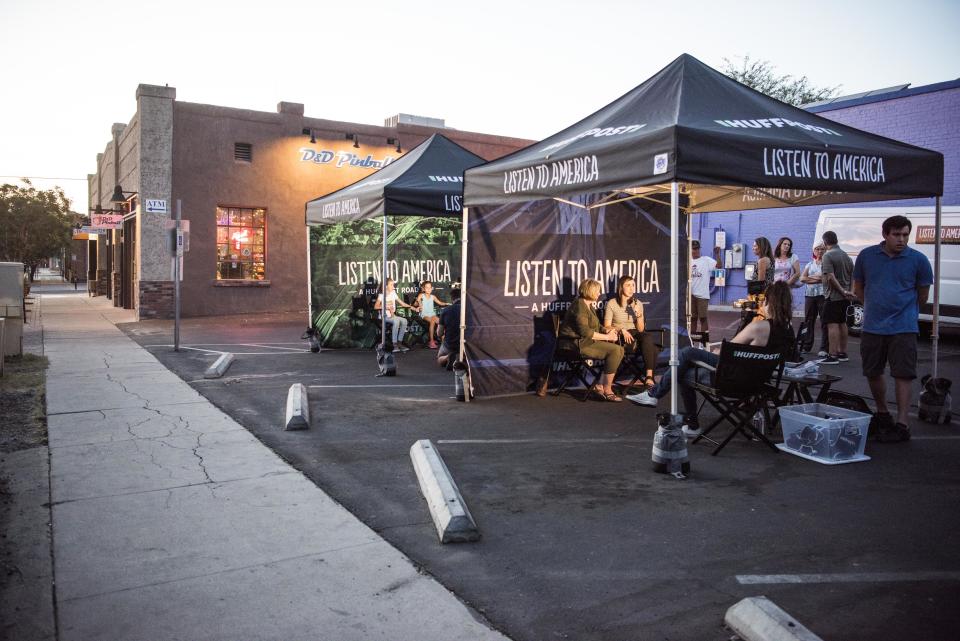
{"x":269,"y":346}
{"x":853,"y":577}
{"x":371,"y":386}
{"x":515,"y":441}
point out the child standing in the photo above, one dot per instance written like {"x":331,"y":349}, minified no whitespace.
{"x":425,"y":304}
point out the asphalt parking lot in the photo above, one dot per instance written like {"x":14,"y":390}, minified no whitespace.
{"x":581,"y":540}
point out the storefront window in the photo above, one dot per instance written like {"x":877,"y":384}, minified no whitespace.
{"x":241,"y":243}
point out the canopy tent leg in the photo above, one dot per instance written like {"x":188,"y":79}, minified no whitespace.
{"x":463,"y":301}
{"x":309,"y":284}
{"x":935,"y":336}
{"x":383,"y":288}
{"x":674,"y":290}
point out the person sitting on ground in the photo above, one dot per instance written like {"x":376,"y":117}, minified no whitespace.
{"x":770,"y":329}
{"x":624,"y":314}
{"x":449,"y":329}
{"x":398,"y":322}
{"x":425,"y":304}
{"x":581,"y":329}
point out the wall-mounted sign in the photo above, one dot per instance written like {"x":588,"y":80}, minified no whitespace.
{"x":341,"y":159}
{"x":155,"y":206}
{"x":927,"y":234}
{"x":92,"y":230}
{"x":106,"y":221}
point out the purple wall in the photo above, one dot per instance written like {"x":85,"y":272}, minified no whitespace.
{"x":926,"y":116}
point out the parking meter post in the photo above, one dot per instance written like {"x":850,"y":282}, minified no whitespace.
{"x":177,"y":253}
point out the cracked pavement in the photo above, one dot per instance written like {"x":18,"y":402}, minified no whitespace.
{"x":172,"y":521}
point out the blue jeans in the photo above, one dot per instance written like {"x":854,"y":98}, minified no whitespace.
{"x":685,"y":374}
{"x":399,"y":328}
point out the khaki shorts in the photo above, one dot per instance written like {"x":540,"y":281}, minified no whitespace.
{"x":699,"y":307}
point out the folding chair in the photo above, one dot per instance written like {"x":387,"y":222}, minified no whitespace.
{"x":745,"y":381}
{"x":578,"y":366}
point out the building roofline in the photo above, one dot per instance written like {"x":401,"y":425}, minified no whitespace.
{"x":906,"y":91}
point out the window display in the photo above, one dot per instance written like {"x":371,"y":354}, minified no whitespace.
{"x":241,"y":243}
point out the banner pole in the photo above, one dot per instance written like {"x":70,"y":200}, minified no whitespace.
{"x":674,"y":293}
{"x":463,"y":299}
{"x":935,"y":336}
{"x":309,"y":284}
{"x":177,"y":254}
{"x":383,"y":288}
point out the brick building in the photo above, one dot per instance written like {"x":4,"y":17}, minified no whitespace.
{"x":242,"y":178}
{"x":926,"y":116}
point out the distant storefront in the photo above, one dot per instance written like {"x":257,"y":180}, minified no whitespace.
{"x":242,"y":178}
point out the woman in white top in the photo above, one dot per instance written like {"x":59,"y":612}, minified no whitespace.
{"x":399,"y":323}
{"x":786,"y":266}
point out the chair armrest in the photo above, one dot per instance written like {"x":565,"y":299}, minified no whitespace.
{"x":705,"y":366}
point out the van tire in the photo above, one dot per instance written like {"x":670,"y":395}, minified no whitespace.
{"x":855,"y":323}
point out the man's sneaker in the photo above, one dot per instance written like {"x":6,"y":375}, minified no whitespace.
{"x":829,"y":360}
{"x":883,"y":428}
{"x":842,"y":357}
{"x":401,"y":348}
{"x":903,"y":432}
{"x":822,"y":353}
{"x":643,"y":398}
{"x":692,"y":432}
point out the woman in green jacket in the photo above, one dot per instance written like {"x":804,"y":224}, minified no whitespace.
{"x":581,"y":327}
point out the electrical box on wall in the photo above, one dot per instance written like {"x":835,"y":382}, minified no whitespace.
{"x":738,"y":258}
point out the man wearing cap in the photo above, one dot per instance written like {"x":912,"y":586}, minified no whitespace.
{"x":701,"y":268}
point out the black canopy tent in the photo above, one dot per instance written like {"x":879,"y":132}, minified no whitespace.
{"x":703,"y":142}
{"x":426,"y":181}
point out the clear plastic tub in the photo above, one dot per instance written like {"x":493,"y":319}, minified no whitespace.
{"x":824,"y":433}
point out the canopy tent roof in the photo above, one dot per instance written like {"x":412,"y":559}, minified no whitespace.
{"x":730,"y":147}
{"x":426,"y":181}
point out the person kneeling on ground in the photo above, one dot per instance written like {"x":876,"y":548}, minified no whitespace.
{"x":449,"y":330}
{"x":581,"y":328}
{"x":771,"y":329}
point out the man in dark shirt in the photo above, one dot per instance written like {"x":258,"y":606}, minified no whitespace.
{"x":449,"y":329}
{"x":836,"y":268}
{"x":892,"y":280}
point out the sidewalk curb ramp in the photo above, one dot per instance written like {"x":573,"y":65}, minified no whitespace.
{"x":448,"y":510}
{"x":757,"y":618}
{"x":220,"y":366}
{"x":298,"y":408}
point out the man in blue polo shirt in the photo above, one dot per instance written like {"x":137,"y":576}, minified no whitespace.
{"x":892,"y":280}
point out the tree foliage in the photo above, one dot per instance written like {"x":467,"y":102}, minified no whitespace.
{"x":762,"y":76}
{"x":34,"y":223}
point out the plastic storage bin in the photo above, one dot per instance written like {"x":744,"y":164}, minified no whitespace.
{"x":824,"y":433}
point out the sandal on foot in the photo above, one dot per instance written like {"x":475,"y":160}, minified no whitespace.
{"x":649,"y":382}
{"x":612,"y":398}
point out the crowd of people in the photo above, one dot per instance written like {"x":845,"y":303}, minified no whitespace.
{"x":889,"y":279}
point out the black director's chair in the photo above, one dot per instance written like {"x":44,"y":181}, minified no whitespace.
{"x":745,"y":381}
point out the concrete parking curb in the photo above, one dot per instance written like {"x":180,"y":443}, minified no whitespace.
{"x":220,"y":366}
{"x":757,"y":618}
{"x":448,"y":510}
{"x":298,"y":408}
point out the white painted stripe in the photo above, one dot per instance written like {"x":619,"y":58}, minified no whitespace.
{"x":514,"y":441}
{"x":853,"y":577}
{"x":375,"y":386}
{"x":269,"y":346}
{"x":914,"y":437}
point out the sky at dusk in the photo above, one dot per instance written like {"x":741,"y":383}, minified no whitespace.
{"x":525,"y":69}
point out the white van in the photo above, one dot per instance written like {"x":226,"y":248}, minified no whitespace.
{"x":859,"y":227}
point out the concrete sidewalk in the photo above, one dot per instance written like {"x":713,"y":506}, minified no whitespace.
{"x":171,"y":521}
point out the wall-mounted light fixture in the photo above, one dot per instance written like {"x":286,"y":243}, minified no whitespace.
{"x":120,"y":197}
{"x":354,"y":138}
{"x":395,"y":141}
{"x":309,"y":132}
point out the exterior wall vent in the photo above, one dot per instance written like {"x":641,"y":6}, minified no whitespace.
{"x":243,"y":151}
